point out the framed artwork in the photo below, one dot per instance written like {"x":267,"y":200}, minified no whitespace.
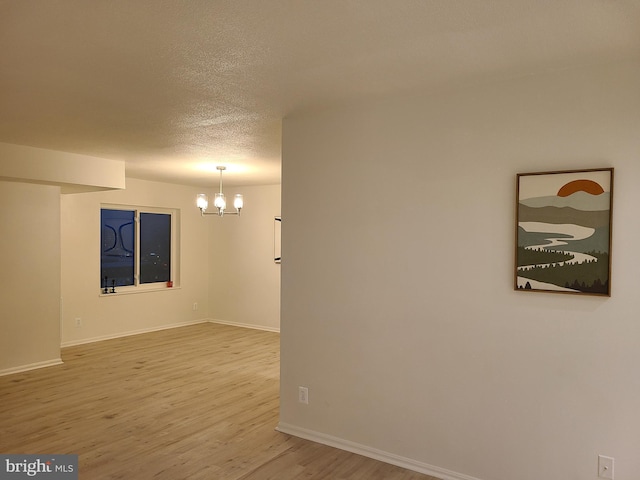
{"x":563,"y":231}
{"x":277,"y":239}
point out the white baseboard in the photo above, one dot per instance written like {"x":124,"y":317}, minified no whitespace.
{"x":246,"y":325}
{"x":131,"y":332}
{"x":31,"y":366}
{"x":71,"y":343}
{"x":374,"y":453}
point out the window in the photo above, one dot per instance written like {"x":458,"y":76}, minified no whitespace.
{"x":155,"y":247}
{"x":117,"y":241}
{"x":137,"y":248}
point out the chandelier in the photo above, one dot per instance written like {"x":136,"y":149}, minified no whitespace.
{"x":220,"y":202}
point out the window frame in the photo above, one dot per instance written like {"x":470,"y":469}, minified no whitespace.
{"x":137,"y":286}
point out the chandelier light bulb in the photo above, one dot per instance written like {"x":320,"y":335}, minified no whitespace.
{"x":238,"y":201}
{"x":220,"y":202}
{"x":202,"y":201}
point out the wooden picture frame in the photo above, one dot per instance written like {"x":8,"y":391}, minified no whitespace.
{"x":563,"y":231}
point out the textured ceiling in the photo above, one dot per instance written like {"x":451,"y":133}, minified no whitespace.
{"x":174,"y":87}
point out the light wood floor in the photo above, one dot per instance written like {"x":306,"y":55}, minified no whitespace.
{"x":197,"y":402}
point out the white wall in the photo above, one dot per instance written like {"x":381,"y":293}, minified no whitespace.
{"x":71,"y":171}
{"x":226,"y":265}
{"x":50,"y":255}
{"x":398,"y":310}
{"x":244,"y":280}
{"x":115,"y":315}
{"x":30,"y":291}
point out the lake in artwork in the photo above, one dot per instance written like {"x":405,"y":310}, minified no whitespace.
{"x":563,"y":231}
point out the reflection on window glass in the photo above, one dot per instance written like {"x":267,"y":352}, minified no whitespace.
{"x":155,"y":247}
{"x":117,"y":247}
{"x":135,"y":248}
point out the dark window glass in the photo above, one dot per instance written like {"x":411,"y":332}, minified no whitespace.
{"x":155,"y":247}
{"x":117,"y":241}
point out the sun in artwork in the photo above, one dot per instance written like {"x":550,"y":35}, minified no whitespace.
{"x":588,"y":186}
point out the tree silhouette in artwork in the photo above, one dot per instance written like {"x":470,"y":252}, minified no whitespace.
{"x":589,"y":277}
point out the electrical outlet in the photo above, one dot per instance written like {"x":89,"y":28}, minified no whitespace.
{"x":303,"y":395}
{"x":195,"y":306}
{"x":78,"y":322}
{"x":605,"y":467}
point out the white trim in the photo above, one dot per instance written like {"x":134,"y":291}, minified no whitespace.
{"x":138,"y":210}
{"x":130,"y":333}
{"x":247,"y":325}
{"x":71,"y":343}
{"x":374,"y":453}
{"x":31,"y":366}
{"x":146,"y":288}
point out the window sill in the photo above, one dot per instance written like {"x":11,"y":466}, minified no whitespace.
{"x":136,"y":291}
